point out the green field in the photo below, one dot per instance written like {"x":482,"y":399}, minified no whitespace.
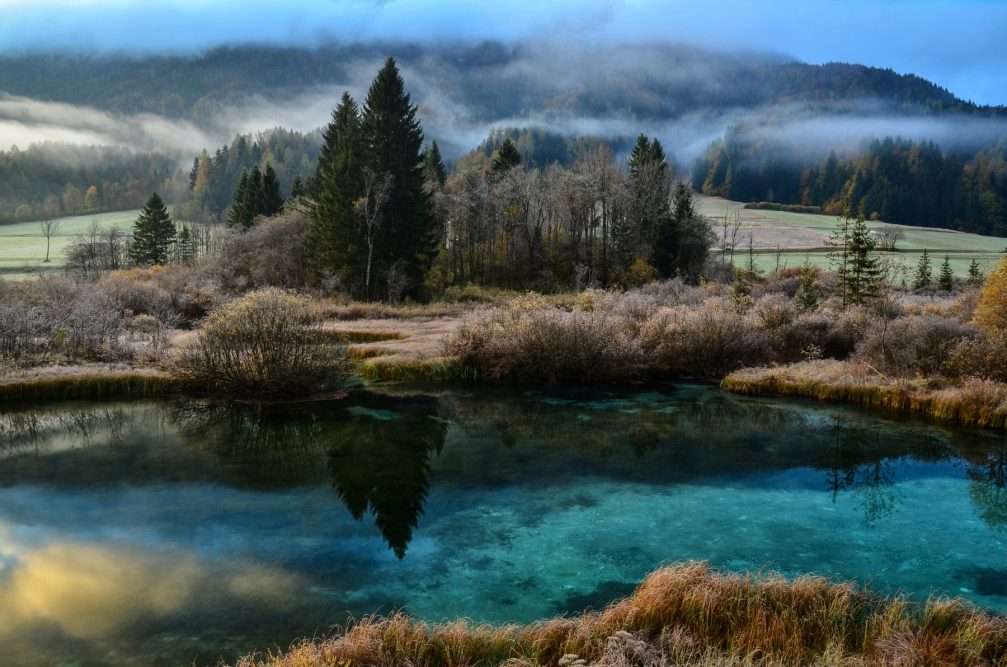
{"x":787,"y":240}
{"x":22,"y":245}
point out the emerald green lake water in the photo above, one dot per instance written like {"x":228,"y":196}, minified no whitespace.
{"x":173,"y":532}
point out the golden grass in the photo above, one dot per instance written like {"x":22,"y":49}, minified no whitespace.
{"x":971,"y":401}
{"x":687,"y":614}
{"x":88,"y":384}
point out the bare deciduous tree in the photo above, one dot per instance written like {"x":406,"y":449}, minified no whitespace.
{"x":370,"y":211}
{"x":49,"y":229}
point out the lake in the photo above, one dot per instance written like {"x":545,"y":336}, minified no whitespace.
{"x":168,"y":532}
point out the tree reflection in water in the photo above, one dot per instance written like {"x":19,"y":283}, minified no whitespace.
{"x":988,"y":485}
{"x":378,"y":457}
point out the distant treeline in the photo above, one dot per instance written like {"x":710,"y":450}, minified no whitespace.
{"x":213,"y":179}
{"x":899,"y":181}
{"x":52,"y":180}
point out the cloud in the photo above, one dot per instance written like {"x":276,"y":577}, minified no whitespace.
{"x":959,"y":44}
{"x":24,"y":121}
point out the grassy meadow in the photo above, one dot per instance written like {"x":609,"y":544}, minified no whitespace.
{"x":802,"y":237}
{"x":22,"y":245}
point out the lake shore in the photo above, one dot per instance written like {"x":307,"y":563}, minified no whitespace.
{"x":687,"y":614}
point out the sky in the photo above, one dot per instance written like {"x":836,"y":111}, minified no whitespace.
{"x":961,"y":45}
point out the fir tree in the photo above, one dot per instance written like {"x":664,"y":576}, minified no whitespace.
{"x":507,"y":158}
{"x":947,"y":277}
{"x":271,"y":198}
{"x":807,"y":298}
{"x":339,"y":244}
{"x":433,"y":166}
{"x":864,"y":272}
{"x":238,"y":215}
{"x":975,"y":274}
{"x":394,"y":141}
{"x":254,"y":203}
{"x":840,"y":257}
{"x":153,"y":233}
{"x":649,"y":189}
{"x":298,"y":189}
{"x":924,"y":272}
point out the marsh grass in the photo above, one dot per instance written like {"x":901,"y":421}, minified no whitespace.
{"x":687,"y":614}
{"x":89,"y":385}
{"x":970,"y":401}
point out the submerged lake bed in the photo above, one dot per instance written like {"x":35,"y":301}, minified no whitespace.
{"x":168,"y":532}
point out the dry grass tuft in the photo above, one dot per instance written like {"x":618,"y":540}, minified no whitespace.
{"x":687,"y":614}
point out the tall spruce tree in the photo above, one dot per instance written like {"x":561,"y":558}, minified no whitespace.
{"x":272,"y":199}
{"x":650,"y":194}
{"x":239,"y":215}
{"x":153,"y":233}
{"x":339,"y":183}
{"x":924,"y":271}
{"x":394,"y":143}
{"x":254,"y":196}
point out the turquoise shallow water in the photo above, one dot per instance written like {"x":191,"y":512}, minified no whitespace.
{"x":162,"y":533}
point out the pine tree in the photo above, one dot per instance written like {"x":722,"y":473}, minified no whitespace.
{"x":433,"y":166}
{"x":807,"y":298}
{"x":924,"y":272}
{"x":507,"y":158}
{"x":975,"y":274}
{"x":271,"y":199}
{"x":153,"y":233}
{"x":298,"y":189}
{"x":947,"y":277}
{"x":649,"y":211}
{"x":394,"y":141}
{"x":339,"y":182}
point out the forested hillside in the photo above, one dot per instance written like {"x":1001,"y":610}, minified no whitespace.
{"x":52,"y":180}
{"x":213,"y":178}
{"x":487,"y":81}
{"x":900,"y":181}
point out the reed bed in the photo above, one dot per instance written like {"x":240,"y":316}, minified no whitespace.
{"x":686,"y":614}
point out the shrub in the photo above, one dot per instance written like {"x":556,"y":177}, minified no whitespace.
{"x":709,"y":341}
{"x":530,"y":342}
{"x":991,"y":311}
{"x":262,"y":344}
{"x":275,"y":252}
{"x":984,"y":356}
{"x":916,"y":344}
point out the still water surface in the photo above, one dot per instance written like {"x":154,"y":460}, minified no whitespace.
{"x":163,"y":533}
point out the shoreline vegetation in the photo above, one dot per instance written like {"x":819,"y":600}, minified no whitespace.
{"x":687,"y":614}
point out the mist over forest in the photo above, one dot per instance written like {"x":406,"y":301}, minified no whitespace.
{"x":782,"y":116}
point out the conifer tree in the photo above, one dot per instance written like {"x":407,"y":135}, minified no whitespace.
{"x":394,"y":143}
{"x":650,"y":189}
{"x":864,"y":272}
{"x":272,"y":199}
{"x":947,"y":277}
{"x":297,"y":188}
{"x":254,"y":196}
{"x":186,"y":248}
{"x":433,"y":166}
{"x":507,"y":158}
{"x":807,"y":298}
{"x":339,"y":180}
{"x":238,"y":215}
{"x":153,"y":233}
{"x":975,"y":274}
{"x":924,"y":272}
